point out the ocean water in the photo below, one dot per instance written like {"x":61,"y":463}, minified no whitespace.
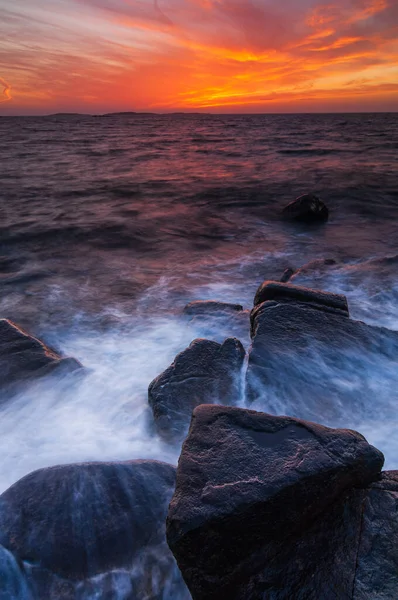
{"x":110,"y":225}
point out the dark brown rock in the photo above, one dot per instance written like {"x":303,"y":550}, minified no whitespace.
{"x":307,"y":209}
{"x":23,"y":357}
{"x":268,"y":507}
{"x":206,"y":372}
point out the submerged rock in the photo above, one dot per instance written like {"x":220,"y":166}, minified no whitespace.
{"x":210,"y":307}
{"x":287,"y":275}
{"x":87,"y":527}
{"x":218,"y":320}
{"x":308,"y":209}
{"x":309,"y":357}
{"x":206,"y":372}
{"x":271,"y":507}
{"x":318,"y":266}
{"x":23,"y":357}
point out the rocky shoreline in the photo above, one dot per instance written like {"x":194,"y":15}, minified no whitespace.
{"x":260,"y":506}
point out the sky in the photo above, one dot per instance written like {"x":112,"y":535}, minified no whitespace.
{"x":223,"y":56}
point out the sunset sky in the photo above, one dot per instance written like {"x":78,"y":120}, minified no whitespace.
{"x":99,"y":56}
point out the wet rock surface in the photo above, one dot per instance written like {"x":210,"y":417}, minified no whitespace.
{"x":276,"y":508}
{"x":206,"y":372}
{"x":210,"y":307}
{"x":377,"y":557}
{"x":23,"y":357}
{"x":72,"y":523}
{"x":284,"y":292}
{"x":298,"y":334}
{"x":265,"y":507}
{"x":13,"y":582}
{"x":219,"y":320}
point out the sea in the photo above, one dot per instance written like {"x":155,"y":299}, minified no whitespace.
{"x":110,"y":225}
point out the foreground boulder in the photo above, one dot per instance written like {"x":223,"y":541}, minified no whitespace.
{"x":309,"y":359}
{"x":92,"y":528}
{"x":23,"y":357}
{"x":206,"y":372}
{"x":307,"y":209}
{"x":272,"y":508}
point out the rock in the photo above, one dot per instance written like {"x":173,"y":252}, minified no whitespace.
{"x":309,"y":272}
{"x":13,"y":584}
{"x":374,"y":275}
{"x":206,"y":372}
{"x":314,"y":268}
{"x":309,"y":359}
{"x":218,"y":320}
{"x":308,"y":209}
{"x":284,"y":292}
{"x":210,"y":307}
{"x":377,"y":555}
{"x":269,"y":507}
{"x":23,"y":357}
{"x":287,"y":275}
{"x":370,"y":283}
{"x":87,"y":527}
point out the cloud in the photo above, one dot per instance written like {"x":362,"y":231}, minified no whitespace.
{"x":6,"y":90}
{"x":99,"y":55}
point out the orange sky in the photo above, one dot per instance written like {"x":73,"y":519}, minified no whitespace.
{"x":198,"y":55}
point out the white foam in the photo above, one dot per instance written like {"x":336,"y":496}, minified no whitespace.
{"x":103,"y":417}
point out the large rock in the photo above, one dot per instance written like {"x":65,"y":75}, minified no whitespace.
{"x":23,"y":357}
{"x":308,"y":209}
{"x":309,"y":359}
{"x":93,"y":527}
{"x":271,"y":508}
{"x":206,"y":372}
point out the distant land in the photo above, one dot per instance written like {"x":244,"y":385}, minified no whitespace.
{"x":111,"y":114}
{"x":126,"y":114}
{"x":186,"y":114}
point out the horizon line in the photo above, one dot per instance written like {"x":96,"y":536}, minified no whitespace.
{"x":204,"y":113}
